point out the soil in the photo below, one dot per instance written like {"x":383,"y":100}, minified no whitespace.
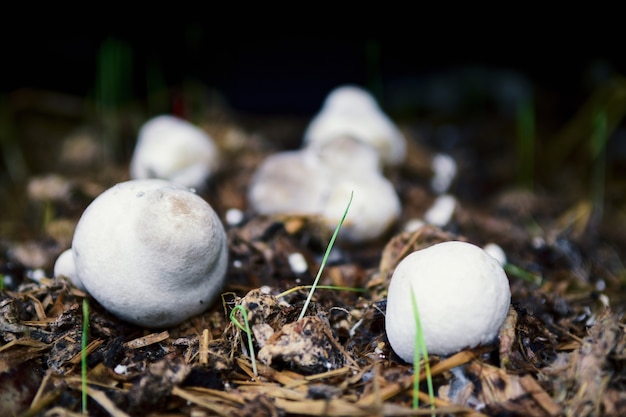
{"x":561,"y":352}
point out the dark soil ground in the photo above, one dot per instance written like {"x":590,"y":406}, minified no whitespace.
{"x":562,"y":352}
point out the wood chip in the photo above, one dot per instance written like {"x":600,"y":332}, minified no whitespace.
{"x":147,"y":340}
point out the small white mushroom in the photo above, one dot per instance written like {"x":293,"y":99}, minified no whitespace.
{"x":347,"y":156}
{"x":496,"y":251}
{"x":350,"y":110}
{"x":462,"y":294}
{"x":318,"y":181}
{"x":290,"y":182}
{"x":64,"y":266}
{"x":375,"y":207}
{"x":151,"y":252}
{"x":444,"y":171}
{"x":173,"y":149}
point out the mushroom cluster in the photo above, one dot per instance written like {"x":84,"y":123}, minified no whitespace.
{"x":462,"y":295}
{"x":151,"y":252}
{"x":350,"y":110}
{"x":345,"y":146}
{"x":173,"y":149}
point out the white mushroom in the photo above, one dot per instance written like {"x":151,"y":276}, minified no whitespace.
{"x":64,"y":266}
{"x":350,"y":110}
{"x":462,"y":294}
{"x":151,"y":252}
{"x":318,"y":181}
{"x":444,"y":170}
{"x":173,"y":149}
{"x":496,"y":251}
{"x":290,"y":182}
{"x":375,"y":207}
{"x":347,"y":156}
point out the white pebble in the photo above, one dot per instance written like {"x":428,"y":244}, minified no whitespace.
{"x":413,"y":225}
{"x":440,"y":213}
{"x":234,"y":216}
{"x":297,"y":263}
{"x":121,"y":369}
{"x":36,"y":274}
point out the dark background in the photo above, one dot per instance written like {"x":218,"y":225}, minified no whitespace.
{"x":279,"y":75}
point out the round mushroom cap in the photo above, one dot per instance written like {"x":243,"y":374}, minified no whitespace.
{"x":151,"y":252}
{"x":347,"y":156}
{"x":290,"y":182}
{"x":318,"y":182}
{"x":64,"y":266}
{"x":173,"y":149}
{"x":352,"y":111}
{"x":462,"y":295}
{"x":374,"y":209}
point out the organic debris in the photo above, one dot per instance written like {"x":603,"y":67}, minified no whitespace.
{"x":561,"y":351}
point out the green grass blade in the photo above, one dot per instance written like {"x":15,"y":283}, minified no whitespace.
{"x":420,"y":350}
{"x":245,"y":328}
{"x":320,"y":287}
{"x":83,"y":355}
{"x":328,"y":249}
{"x":522,"y":274}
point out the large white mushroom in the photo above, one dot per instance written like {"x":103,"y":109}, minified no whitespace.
{"x":151,"y":252}
{"x":173,"y":149}
{"x":351,"y":110}
{"x":462,"y":294}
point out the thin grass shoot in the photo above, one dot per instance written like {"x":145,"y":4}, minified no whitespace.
{"x":522,"y":274}
{"x":319,"y":287}
{"x":328,"y":249}
{"x":246,"y":329}
{"x":112,"y":89}
{"x":83,"y":357}
{"x":420,"y":351}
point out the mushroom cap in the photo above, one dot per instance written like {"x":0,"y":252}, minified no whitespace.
{"x":445,"y":169}
{"x":64,"y":266}
{"x":173,"y":149}
{"x":375,"y":207}
{"x":350,"y":110}
{"x":347,"y":156}
{"x":151,"y":252}
{"x":317,"y":181}
{"x":496,"y":251}
{"x":462,"y":294}
{"x":290,"y":182}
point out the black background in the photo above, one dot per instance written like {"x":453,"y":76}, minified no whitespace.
{"x":261,"y":74}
